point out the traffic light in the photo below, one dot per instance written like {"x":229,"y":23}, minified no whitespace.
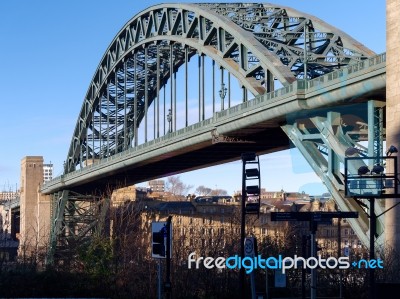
{"x":251,"y":183}
{"x":158,"y":243}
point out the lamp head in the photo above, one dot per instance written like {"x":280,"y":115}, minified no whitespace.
{"x":363,"y":170}
{"x":351,"y":151}
{"x":378,"y":169}
{"x":391,"y":150}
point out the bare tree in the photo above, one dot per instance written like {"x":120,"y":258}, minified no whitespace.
{"x":219,"y":192}
{"x":202,"y":190}
{"x":177,"y":188}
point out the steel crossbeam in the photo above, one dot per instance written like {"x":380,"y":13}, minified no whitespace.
{"x":75,"y":219}
{"x":253,"y":42}
{"x":330,"y":132}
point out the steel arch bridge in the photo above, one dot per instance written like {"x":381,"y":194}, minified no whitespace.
{"x":143,"y":90}
{"x":256,"y":43}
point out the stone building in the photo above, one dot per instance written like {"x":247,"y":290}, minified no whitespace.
{"x":208,"y":223}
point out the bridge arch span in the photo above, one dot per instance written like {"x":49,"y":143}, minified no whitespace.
{"x":256,"y":43}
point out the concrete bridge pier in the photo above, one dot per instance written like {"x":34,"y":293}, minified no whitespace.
{"x":392,"y":217}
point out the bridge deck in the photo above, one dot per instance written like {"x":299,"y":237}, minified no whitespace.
{"x":253,"y":125}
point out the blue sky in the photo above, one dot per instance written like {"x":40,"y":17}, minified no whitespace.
{"x":50,"y":51}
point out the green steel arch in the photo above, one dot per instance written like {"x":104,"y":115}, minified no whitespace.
{"x":256,"y":43}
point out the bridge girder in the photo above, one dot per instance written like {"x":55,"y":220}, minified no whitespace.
{"x":251,"y":41}
{"x":255,"y":125}
{"x":75,"y":218}
{"x":323,"y":139}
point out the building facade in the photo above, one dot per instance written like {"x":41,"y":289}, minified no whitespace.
{"x":9,"y":195}
{"x":208,"y":223}
{"x":47,"y":172}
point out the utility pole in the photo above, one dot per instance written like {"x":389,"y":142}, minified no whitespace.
{"x":371,"y":184}
{"x":313,"y":230}
{"x":242,"y":233}
{"x":251,"y":186}
{"x":161,"y":249}
{"x":159,"y":284}
{"x":339,"y":253}
{"x":167,"y":286}
{"x":372,"y":232}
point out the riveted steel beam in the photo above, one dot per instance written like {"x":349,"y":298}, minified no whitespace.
{"x":253,"y":42}
{"x":324,"y":141}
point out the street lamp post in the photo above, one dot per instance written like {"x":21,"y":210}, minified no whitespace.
{"x":371,"y":184}
{"x":222,"y":94}
{"x":169,"y":119}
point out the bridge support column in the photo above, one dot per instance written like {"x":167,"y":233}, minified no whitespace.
{"x":323,"y":140}
{"x":392,"y":217}
{"x":59,"y":202}
{"x":75,"y":217}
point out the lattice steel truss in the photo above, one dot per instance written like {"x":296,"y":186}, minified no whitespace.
{"x":75,"y":218}
{"x":326,"y":139}
{"x":256,"y":43}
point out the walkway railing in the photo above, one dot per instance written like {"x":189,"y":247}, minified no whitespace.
{"x":262,"y":101}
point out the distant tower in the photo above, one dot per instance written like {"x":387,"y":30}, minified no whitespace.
{"x":157,"y":186}
{"x":31,"y":180}
{"x":47,"y":172}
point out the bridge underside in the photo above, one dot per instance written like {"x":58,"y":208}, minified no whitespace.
{"x":215,"y":151}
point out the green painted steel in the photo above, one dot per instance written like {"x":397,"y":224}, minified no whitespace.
{"x":331,"y":89}
{"x":270,"y":43}
{"x":318,"y":65}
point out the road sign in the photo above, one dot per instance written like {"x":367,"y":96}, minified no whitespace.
{"x":249,"y":247}
{"x":311,"y":216}
{"x":280,"y":279}
{"x":346,"y":251}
